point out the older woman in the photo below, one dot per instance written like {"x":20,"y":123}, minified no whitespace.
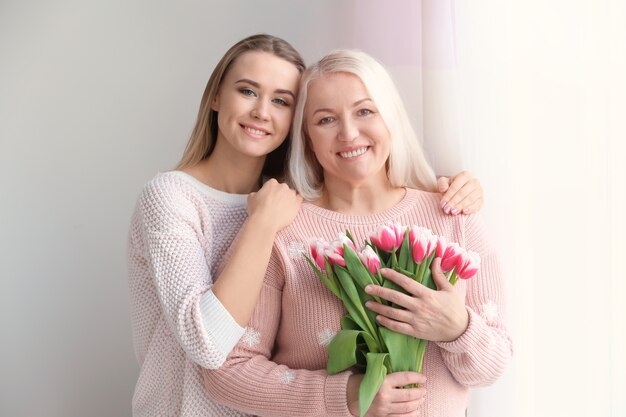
{"x":358,"y":163}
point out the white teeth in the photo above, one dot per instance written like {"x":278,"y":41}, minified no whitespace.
{"x":255,"y":131}
{"x":353,"y":153}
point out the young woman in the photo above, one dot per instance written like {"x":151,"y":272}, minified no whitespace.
{"x":184,"y":318}
{"x":356,"y":161}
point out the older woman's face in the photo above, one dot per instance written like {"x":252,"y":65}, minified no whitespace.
{"x":347,"y":133}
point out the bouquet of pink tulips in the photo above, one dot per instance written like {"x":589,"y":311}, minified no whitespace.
{"x":362,"y":342}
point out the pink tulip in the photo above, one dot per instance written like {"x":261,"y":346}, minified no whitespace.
{"x":451,"y":256}
{"x":318,"y":247}
{"x":345,"y":240}
{"x":423,"y":243}
{"x":468,"y":265}
{"x":386,"y":237}
{"x":370,"y":259}
{"x":441,"y":246}
{"x":334,"y":253}
{"x":399,"y":231}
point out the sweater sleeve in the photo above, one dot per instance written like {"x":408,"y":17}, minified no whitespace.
{"x":172,"y":228}
{"x":251,"y":382}
{"x":480,"y":355}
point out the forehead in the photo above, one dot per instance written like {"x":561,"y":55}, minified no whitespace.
{"x":264,"y":68}
{"x":338,"y":87}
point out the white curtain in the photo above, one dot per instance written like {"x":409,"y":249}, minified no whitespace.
{"x":531,"y":97}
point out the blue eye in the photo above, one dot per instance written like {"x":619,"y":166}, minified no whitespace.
{"x":326,"y":120}
{"x":247,"y":92}
{"x":364,"y":112}
{"x":281,"y":102}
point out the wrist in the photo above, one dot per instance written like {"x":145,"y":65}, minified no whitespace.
{"x":262,"y":223}
{"x":461,"y":326}
{"x":353,"y":393}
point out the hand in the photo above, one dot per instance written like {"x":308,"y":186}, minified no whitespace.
{"x":392,"y":399}
{"x":275,"y":204}
{"x":462,"y":193}
{"x":427,"y":314}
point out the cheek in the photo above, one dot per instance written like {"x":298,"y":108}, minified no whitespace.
{"x":284,"y":121}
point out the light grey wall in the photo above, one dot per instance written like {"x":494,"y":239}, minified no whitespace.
{"x":95,"y":98}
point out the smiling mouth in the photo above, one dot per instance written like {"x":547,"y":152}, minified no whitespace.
{"x":253,"y":131}
{"x":354,"y":153}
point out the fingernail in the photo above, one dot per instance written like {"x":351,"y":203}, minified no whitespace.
{"x":465,"y":210}
{"x":455,"y":211}
{"x":446,"y":209}
{"x":442,"y":203}
{"x":368,"y":288}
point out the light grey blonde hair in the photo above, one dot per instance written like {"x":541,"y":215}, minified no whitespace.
{"x":406,"y":166}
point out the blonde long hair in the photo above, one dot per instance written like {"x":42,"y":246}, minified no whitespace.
{"x":407,"y":165}
{"x":204,"y":134}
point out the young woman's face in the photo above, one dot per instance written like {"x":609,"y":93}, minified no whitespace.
{"x":348,"y":136}
{"x":255,"y":103}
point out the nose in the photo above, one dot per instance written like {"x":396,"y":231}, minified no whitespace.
{"x":261,"y":110}
{"x":348,"y":130}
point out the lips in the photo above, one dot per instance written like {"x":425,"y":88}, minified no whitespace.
{"x":254,"y":130}
{"x":353,"y":153}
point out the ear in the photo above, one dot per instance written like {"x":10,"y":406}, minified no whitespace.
{"x":215,"y":103}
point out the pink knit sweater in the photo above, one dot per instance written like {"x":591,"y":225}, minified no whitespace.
{"x":278,"y":367}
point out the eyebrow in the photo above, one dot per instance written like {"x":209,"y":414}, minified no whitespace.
{"x":257,"y":85}
{"x":355,"y":104}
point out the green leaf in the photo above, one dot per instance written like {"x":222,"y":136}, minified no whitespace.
{"x":349,"y":235}
{"x":360,"y":274}
{"x":358,"y":313}
{"x":330,"y":284}
{"x":374,"y":376}
{"x":421,"y":351}
{"x":356,"y":268}
{"x":427,"y":279}
{"x":352,"y":310}
{"x":401,"y":350}
{"x":342,"y":351}
{"x":422,"y":267}
{"x":405,"y":257}
{"x":331,"y":274}
{"x":372,"y":345}
{"x":347,"y":323}
{"x":454,"y":277}
{"x":393,"y":260}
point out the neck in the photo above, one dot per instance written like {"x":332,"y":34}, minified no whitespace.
{"x":361,"y":199}
{"x":232,"y":175}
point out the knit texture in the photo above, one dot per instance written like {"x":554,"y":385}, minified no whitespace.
{"x":179,"y":233}
{"x":278,"y":367}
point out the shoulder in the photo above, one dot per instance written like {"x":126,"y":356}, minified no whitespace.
{"x":168,"y":198}
{"x":425,"y":207}
{"x":425,"y":199}
{"x":167,"y":190}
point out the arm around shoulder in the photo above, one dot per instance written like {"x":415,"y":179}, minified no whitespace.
{"x":251,"y":382}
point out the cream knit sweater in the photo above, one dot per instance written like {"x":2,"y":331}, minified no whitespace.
{"x":278,"y":367}
{"x":179,"y":233}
